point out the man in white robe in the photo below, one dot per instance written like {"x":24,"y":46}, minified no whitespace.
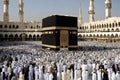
{"x":84,"y":67}
{"x":59,"y":69}
{"x":41,"y":75}
{"x":50,"y":75}
{"x":94,"y":75}
{"x":16,"y":72}
{"x":99,"y":74}
{"x":4,"y":71}
{"x":21,"y":76}
{"x":36,"y":73}
{"x":30,"y":72}
{"x":9,"y":70}
{"x":68,"y":74}
{"x":109,"y":70}
{"x":118,"y":75}
{"x":79,"y":70}
{"x":113,"y":76}
{"x":90,"y":69}
{"x":64,"y":75}
{"x":75,"y":74}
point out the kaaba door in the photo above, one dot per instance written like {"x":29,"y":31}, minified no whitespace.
{"x":64,"y":36}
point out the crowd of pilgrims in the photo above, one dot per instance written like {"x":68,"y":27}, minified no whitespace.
{"x":30,"y":62}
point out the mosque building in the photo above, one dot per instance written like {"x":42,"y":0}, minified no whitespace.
{"x":101,"y":30}
{"x":107,"y":30}
{"x":18,"y":30}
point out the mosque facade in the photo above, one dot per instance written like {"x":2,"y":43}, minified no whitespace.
{"x":18,"y":30}
{"x":107,"y":30}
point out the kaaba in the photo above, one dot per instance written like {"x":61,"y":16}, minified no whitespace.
{"x":59,"y":32}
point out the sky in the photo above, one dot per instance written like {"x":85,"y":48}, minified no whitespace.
{"x":39,"y":9}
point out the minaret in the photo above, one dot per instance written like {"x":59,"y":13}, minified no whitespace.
{"x":108,"y":6}
{"x":91,"y":11}
{"x":6,"y":10}
{"x":21,"y":13}
{"x":80,"y":15}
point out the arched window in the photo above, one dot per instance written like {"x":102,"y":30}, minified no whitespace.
{"x":94,"y":35}
{"x":107,"y":25}
{"x":31,"y":27}
{"x":100,"y":26}
{"x":116,"y":24}
{"x":119,"y":23}
{"x":100,"y":35}
{"x":34,"y":36}
{"x":84,"y":35}
{"x":10,"y":36}
{"x":116,"y":35}
{"x":1,"y":36}
{"x":16,"y":36}
{"x":38,"y":36}
{"x":112,"y":30}
{"x":10,"y":26}
{"x":5,"y":26}
{"x":80,"y":35}
{"x":87,"y":35}
{"x":117,"y":29}
{"x":104,"y":35}
{"x":90,"y":26}
{"x":108,"y":30}
{"x":17,"y":27}
{"x":37,"y":26}
{"x":90,"y":35}
{"x":97,"y":35}
{"x":30,"y":36}
{"x":1,"y":26}
{"x":112,"y":35}
{"x":13,"y":26}
{"x":110,"y":25}
{"x":113,"y":25}
{"x":108,"y":35}
{"x":104,"y":26}
{"x":6,"y":36}
{"x":80,"y":28}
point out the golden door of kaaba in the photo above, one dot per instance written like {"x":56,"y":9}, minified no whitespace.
{"x":64,"y":38}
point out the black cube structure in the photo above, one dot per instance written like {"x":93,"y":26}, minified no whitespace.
{"x":59,"y":32}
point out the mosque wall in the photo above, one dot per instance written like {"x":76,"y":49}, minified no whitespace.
{"x":14,"y":31}
{"x":105,"y":30}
